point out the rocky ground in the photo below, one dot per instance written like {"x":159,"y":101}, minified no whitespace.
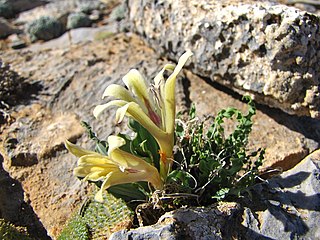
{"x":48,"y":87}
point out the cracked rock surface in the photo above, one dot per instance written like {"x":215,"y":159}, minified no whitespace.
{"x":263,"y":49}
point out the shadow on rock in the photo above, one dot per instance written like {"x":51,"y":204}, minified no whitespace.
{"x":307,"y":126}
{"x":14,"y":209}
{"x":288,"y":206}
{"x":15,"y":90}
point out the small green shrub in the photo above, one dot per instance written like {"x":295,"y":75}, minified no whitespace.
{"x":78,"y":20}
{"x":210,"y":164}
{"x":118,"y":13}
{"x":45,"y":28}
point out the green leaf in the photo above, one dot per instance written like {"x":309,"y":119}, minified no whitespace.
{"x":192,"y":112}
{"x":130,"y":191}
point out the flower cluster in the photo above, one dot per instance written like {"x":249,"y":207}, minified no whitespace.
{"x":153,"y":108}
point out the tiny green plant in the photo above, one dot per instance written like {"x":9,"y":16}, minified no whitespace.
{"x":212,"y":165}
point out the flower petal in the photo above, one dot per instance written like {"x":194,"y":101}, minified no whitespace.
{"x":76,"y":150}
{"x":100,"y":108}
{"x":136,"y":84}
{"x":99,"y":195}
{"x":170,"y":93}
{"x":95,"y":159}
{"x":121,"y":112}
{"x":159,"y":78}
{"x":115,"y":142}
{"x":119,"y":92}
{"x":118,"y":177}
{"x":134,"y":110}
{"x":95,"y":176}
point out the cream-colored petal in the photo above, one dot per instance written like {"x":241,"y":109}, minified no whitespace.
{"x":136,"y":84}
{"x":76,"y":150}
{"x":118,"y":177}
{"x":134,"y":110}
{"x":115,"y":142}
{"x":96,"y":176}
{"x":122,"y":112}
{"x":128,"y":160}
{"x":94,"y":159}
{"x":159,"y":79}
{"x":119,"y":92}
{"x":100,"y":108}
{"x":83,"y":171}
{"x":99,"y":195}
{"x":169,"y":90}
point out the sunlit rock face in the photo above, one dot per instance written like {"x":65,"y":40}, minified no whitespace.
{"x":263,"y":49}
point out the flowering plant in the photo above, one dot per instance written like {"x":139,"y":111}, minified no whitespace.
{"x":154,"y":109}
{"x":208,"y":164}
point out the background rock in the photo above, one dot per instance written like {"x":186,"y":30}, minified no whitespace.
{"x":77,"y":20}
{"x":287,"y":207}
{"x":262,"y":49}
{"x":192,"y":223}
{"x":6,"y":28}
{"x":14,"y":208}
{"x":58,"y":8}
{"x":17,"y":6}
{"x":6,"y":10}
{"x":14,"y":90}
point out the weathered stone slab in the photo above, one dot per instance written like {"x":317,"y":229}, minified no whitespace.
{"x":263,"y":49}
{"x":203,"y":223}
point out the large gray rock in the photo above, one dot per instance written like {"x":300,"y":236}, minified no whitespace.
{"x":288,"y":206}
{"x":24,"y":5}
{"x":192,"y":223}
{"x":9,"y":8}
{"x":266,"y":50}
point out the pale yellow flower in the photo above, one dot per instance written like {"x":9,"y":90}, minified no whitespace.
{"x":118,"y":167}
{"x":153,"y":107}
